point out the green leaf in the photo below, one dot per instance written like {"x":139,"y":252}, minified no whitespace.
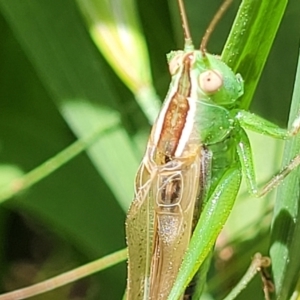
{"x":285,"y":224}
{"x":115,"y":29}
{"x":251,"y":39}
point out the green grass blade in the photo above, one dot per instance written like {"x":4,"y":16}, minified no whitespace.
{"x":251,"y":39}
{"x":68,"y":277}
{"x":285,"y":242}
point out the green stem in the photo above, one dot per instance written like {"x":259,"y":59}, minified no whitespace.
{"x":257,"y":264}
{"x":250,"y":41}
{"x":68,"y":277}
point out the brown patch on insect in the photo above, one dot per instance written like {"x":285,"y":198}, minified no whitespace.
{"x":176,"y":114}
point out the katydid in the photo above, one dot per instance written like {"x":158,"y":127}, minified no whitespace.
{"x":196,"y":155}
{"x":208,"y":187}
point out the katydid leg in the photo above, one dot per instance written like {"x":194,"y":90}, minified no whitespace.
{"x":259,"y":125}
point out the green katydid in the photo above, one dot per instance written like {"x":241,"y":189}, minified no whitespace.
{"x":196,"y":155}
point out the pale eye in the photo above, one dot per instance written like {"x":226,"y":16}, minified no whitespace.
{"x":211,"y":81}
{"x":174,"y":64}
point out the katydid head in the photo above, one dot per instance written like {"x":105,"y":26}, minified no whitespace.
{"x":217,"y":81}
{"x":209,"y":78}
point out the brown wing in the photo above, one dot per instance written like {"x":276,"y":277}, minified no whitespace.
{"x":177,"y":189}
{"x":159,"y":225}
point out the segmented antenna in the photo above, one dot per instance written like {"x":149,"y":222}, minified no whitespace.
{"x":212,"y":25}
{"x":185,"y":25}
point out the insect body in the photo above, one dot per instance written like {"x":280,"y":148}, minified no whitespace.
{"x":174,"y":174}
{"x":196,"y":155}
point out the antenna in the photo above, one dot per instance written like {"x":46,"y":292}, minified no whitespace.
{"x":212,"y":25}
{"x":186,"y":31}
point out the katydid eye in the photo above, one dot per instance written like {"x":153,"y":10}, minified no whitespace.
{"x":210,"y":81}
